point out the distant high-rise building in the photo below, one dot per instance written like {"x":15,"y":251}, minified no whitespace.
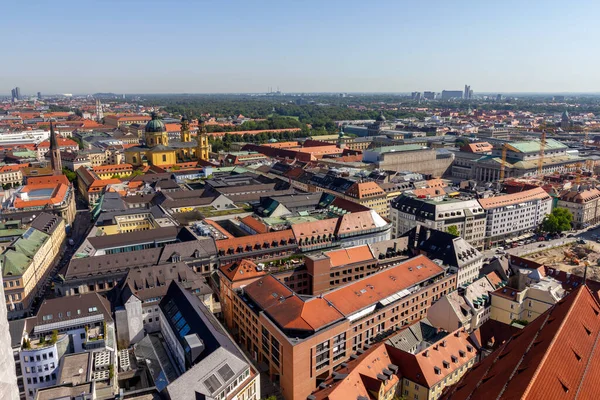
{"x":18,"y":93}
{"x":499,"y":97}
{"x":39,"y":95}
{"x":415,"y":96}
{"x":99,"y":112}
{"x":565,"y":121}
{"x":470,"y":93}
{"x":452,"y":94}
{"x":429,"y":95}
{"x":467,"y":92}
{"x":13,"y":95}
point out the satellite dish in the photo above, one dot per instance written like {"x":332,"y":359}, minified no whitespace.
{"x":80,"y":371}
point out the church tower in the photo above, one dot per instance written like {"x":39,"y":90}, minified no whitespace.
{"x":341,"y":142}
{"x":203,"y":146}
{"x":55,"y":160}
{"x":156,"y":132}
{"x":185,"y":129}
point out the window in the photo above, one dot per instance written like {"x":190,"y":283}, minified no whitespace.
{"x":164,"y":158}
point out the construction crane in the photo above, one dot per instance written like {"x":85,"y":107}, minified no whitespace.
{"x":542,"y":148}
{"x":502,"y":165}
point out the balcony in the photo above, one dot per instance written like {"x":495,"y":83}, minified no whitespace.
{"x":94,"y":338}
{"x":42,"y":342}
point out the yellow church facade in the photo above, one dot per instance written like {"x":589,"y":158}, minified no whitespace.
{"x":159,"y":152}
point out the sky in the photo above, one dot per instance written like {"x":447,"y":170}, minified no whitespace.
{"x":236,"y":46}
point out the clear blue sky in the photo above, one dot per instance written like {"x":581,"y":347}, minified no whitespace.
{"x":312,"y":46}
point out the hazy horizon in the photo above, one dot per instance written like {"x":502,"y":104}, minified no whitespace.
{"x":178,"y":47}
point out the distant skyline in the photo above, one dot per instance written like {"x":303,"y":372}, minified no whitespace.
{"x":311,"y":46}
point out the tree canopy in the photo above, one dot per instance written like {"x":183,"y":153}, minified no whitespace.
{"x":559,"y":220}
{"x":453,"y":230}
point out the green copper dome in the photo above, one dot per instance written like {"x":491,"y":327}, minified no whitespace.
{"x":155,"y":125}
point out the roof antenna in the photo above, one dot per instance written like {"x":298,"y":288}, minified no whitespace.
{"x":585,"y":268}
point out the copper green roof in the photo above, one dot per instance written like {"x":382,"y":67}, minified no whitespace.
{"x":398,"y":149}
{"x":17,"y":259}
{"x":11,"y":232}
{"x":532,"y":146}
{"x":155,"y":125}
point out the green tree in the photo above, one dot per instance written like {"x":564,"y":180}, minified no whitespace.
{"x":71,"y":176}
{"x":453,"y":230}
{"x":559,"y":220}
{"x":135,"y":173}
{"x":54,"y":337}
{"x":79,"y":142}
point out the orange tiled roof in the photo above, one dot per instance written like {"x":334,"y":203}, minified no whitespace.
{"x":555,"y":356}
{"x":361,"y":380}
{"x":321,"y":229}
{"x":241,"y":244}
{"x":430,"y":191}
{"x":11,"y":168}
{"x":514,"y":198}
{"x":242,"y":270}
{"x":58,"y":195}
{"x":173,"y":127}
{"x":112,"y":168}
{"x":436,"y":183}
{"x":349,"y":255}
{"x":448,"y":355}
{"x":62,"y":142}
{"x":361,"y":190}
{"x":287,"y":309}
{"x":355,"y":296}
{"x":255,"y":224}
{"x":51,"y":179}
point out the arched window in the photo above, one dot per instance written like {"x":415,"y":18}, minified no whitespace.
{"x":134,"y":159}
{"x":164,"y":158}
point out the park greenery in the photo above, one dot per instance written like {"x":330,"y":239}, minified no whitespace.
{"x":559,"y":220}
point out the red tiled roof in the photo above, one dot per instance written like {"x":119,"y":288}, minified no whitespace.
{"x":260,"y":239}
{"x":52,"y":179}
{"x":100,"y":169}
{"x":349,"y":255}
{"x":514,"y":198}
{"x":556,"y":356}
{"x":361,"y":380}
{"x":361,"y":190}
{"x":357,"y":295}
{"x":287,"y":309}
{"x":11,"y":168}
{"x":313,"y":229}
{"x":255,"y":224}
{"x":58,"y":195}
{"x":242,"y":270}
{"x":62,"y":142}
{"x":420,"y":367}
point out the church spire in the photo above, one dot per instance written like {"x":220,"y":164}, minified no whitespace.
{"x":55,"y":160}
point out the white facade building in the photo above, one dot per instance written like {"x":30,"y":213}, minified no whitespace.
{"x":407,"y":212}
{"x":511,"y":215}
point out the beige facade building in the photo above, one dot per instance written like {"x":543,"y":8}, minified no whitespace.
{"x":26,"y":264}
{"x":584,"y":205}
{"x":509,"y":304}
{"x":11,"y":175}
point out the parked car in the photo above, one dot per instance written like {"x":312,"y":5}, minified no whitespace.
{"x":542,"y":245}
{"x":570,"y":235}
